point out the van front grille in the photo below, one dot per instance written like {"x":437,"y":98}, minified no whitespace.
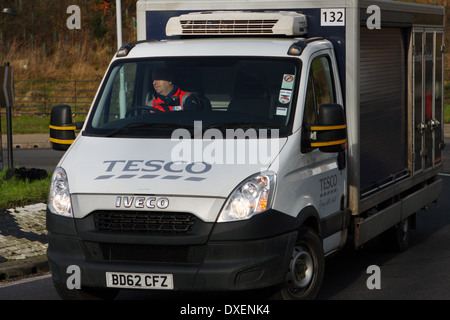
{"x":143,"y":221}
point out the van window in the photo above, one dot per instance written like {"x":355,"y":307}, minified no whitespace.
{"x":320,"y":88}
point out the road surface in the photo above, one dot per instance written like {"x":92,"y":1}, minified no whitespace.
{"x":46,"y":159}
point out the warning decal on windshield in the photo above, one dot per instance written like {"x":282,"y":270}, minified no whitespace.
{"x":288,"y":81}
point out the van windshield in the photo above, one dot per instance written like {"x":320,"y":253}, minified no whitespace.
{"x":152,"y":98}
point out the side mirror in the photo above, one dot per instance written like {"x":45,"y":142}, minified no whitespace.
{"x":62,"y":130}
{"x":330,"y":133}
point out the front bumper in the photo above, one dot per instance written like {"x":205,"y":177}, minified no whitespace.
{"x":230,"y":257}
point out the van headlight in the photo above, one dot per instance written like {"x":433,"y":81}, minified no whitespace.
{"x":254,"y":195}
{"x":59,"y":196}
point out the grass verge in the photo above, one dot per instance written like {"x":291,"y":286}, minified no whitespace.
{"x":16,"y":192}
{"x":447,"y":113}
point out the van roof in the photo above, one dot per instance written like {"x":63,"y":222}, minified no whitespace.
{"x":215,"y":47}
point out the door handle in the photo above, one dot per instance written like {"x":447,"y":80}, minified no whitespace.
{"x":434,"y":124}
{"x":421,"y":127}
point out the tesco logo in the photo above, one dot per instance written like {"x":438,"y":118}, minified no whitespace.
{"x":157,"y":165}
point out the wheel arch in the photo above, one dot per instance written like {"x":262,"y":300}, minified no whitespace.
{"x":309,"y":217}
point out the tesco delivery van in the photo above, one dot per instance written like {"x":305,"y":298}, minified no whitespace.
{"x":290,"y":127}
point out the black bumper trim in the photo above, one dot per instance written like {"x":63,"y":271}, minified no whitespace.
{"x":231,"y":265}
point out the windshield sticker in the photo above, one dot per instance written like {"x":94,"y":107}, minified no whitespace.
{"x":285,"y":96}
{"x":281,"y":111}
{"x":288,"y":81}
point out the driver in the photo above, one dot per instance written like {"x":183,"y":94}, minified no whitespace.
{"x":170,"y":97}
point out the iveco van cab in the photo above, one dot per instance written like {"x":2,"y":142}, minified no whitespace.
{"x":302,"y":129}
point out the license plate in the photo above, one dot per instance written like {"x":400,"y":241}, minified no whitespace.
{"x":158,"y":281}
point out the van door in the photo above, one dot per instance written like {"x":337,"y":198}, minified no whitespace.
{"x":329,"y":177}
{"x":427,"y":96}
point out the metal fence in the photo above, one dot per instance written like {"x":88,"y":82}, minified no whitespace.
{"x":37,"y":97}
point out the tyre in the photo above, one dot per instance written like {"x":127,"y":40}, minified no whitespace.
{"x":85,"y":293}
{"x":306,"y":270}
{"x":398,"y":237}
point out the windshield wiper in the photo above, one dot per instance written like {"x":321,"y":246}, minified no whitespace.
{"x":140,"y":125}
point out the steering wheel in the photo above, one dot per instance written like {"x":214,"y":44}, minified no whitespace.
{"x":141,"y":110}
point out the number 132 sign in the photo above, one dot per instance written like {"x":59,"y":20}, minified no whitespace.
{"x":332,"y":17}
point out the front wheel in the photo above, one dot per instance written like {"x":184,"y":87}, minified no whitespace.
{"x":306,"y":269}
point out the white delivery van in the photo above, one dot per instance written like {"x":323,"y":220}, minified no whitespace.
{"x":314,"y":122}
